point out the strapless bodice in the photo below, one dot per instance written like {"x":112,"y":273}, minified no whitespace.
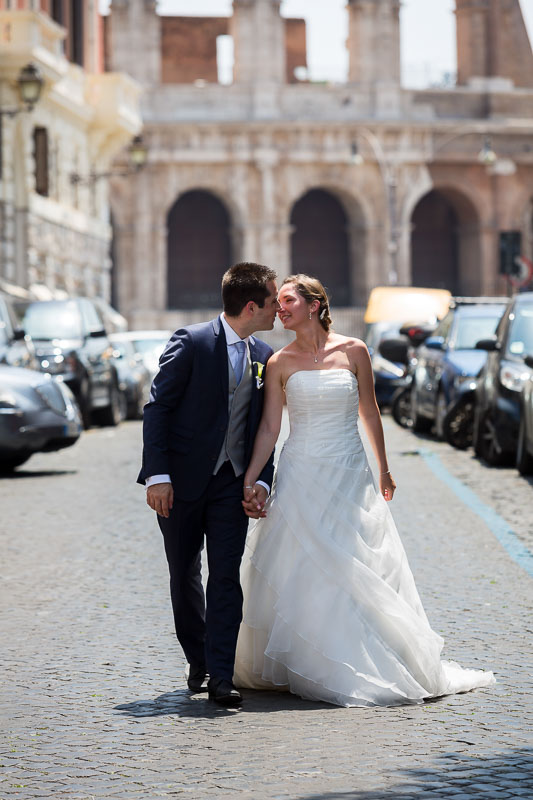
{"x":323,"y":410}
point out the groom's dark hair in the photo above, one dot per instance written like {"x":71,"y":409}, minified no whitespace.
{"x":244,"y":282}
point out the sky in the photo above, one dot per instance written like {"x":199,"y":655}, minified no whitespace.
{"x":427,"y":34}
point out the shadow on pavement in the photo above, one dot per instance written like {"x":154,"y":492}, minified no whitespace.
{"x":42,"y":473}
{"x":455,"y":775}
{"x":185,"y":704}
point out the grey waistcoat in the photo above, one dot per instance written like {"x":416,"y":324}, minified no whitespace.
{"x":239,"y":397}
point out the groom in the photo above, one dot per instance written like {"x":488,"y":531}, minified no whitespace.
{"x":199,"y":429}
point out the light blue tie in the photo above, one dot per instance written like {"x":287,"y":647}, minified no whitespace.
{"x":239,"y":362}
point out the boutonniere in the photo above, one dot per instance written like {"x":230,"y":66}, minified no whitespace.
{"x":258,"y":369}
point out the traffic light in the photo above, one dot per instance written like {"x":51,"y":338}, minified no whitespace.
{"x":510,"y":248}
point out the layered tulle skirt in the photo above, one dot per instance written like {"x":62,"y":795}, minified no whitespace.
{"x":331,"y":610}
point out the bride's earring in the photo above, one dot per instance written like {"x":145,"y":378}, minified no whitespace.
{"x":310,"y":315}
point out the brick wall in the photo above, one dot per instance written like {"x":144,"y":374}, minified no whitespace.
{"x":295,"y":47}
{"x":189,"y":48}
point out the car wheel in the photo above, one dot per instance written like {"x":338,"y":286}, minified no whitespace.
{"x":457,"y":426}
{"x":524,"y":461}
{"x":420,"y":424}
{"x":112,"y":413}
{"x":401,"y":408}
{"x":11,"y":462}
{"x":84,"y":404}
{"x":440,"y":414}
{"x":486,"y":443}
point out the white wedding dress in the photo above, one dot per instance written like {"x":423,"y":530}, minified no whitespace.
{"x":331,"y":610}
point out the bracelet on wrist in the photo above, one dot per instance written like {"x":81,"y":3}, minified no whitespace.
{"x":385,"y":473}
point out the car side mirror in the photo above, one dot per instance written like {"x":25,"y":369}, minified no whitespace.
{"x":19,"y":334}
{"x":490,"y":345}
{"x":528,"y":361}
{"x":394,"y":350}
{"x":434,"y":342}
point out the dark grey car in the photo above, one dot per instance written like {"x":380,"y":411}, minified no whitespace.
{"x":16,"y":348}
{"x":37,"y":413}
{"x":71,"y":341}
{"x":134,"y":377}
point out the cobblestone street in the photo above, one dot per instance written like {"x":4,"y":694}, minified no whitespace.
{"x":94,"y":702}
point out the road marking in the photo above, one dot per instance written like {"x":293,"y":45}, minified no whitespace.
{"x":499,"y":527}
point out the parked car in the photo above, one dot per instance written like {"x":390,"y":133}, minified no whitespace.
{"x":149,"y":345}
{"x":16,"y":347}
{"x":524,"y":448}
{"x":500,"y":383}
{"x":37,"y":413}
{"x":449,"y":357}
{"x":388,"y":309}
{"x":71,"y":342}
{"x":402,"y":350}
{"x":133,"y":376}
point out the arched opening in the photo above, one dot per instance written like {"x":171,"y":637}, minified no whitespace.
{"x":319,"y":243}
{"x":445,"y":251}
{"x":198,"y":250}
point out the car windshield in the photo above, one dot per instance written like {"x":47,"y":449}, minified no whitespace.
{"x":471,"y":329}
{"x":520,"y":339}
{"x":122,"y":347}
{"x":150,"y":346}
{"x":53,"y":320}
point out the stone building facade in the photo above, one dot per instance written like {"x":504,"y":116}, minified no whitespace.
{"x":363,"y":183}
{"x":55,"y":232}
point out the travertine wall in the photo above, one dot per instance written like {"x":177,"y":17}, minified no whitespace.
{"x":261,"y":143}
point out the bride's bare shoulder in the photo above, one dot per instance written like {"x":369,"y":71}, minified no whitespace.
{"x":350,"y":343}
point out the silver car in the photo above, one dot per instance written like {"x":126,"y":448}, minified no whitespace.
{"x":38,"y":413}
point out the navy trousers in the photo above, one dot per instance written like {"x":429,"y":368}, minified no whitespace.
{"x":207,"y":627}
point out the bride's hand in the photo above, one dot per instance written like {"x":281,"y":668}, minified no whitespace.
{"x":387,"y":486}
{"x":254,"y":501}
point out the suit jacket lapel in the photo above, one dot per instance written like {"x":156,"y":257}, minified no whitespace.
{"x":221,"y":352}
{"x":255,"y":390}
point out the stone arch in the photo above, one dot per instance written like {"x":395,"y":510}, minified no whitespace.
{"x":199,"y":249}
{"x":328,"y":240}
{"x":445,"y":242}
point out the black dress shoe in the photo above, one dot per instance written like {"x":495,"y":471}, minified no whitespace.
{"x":223,"y":692}
{"x":196,"y":677}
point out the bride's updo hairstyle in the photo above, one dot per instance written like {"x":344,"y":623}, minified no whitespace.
{"x":311,"y":289}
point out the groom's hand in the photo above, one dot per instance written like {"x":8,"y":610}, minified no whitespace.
{"x":254,"y":501}
{"x":160,"y":497}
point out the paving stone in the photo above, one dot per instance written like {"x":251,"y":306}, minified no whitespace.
{"x":94,"y":694}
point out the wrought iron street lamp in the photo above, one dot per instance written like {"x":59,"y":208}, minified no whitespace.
{"x":137,"y":156}
{"x":30,"y":84}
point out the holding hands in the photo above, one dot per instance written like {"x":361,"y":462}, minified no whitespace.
{"x":254,"y":501}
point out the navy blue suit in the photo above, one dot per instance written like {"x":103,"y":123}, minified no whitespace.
{"x":184,"y":428}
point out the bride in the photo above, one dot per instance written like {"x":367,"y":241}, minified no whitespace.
{"x":331,"y":610}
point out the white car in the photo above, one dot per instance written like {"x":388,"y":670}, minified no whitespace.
{"x":148,"y":344}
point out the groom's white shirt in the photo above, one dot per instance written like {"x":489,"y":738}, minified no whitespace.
{"x":233,"y":354}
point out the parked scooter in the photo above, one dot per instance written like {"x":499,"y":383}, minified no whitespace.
{"x":403,"y":351}
{"x":458,"y":424}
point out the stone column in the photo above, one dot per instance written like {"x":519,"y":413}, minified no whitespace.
{"x":374,"y":52}
{"x":259,"y":45}
{"x":134,"y":40}
{"x":472,"y":39}
{"x":374,"y":41}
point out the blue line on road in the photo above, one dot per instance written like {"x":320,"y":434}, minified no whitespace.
{"x":499,"y":527}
